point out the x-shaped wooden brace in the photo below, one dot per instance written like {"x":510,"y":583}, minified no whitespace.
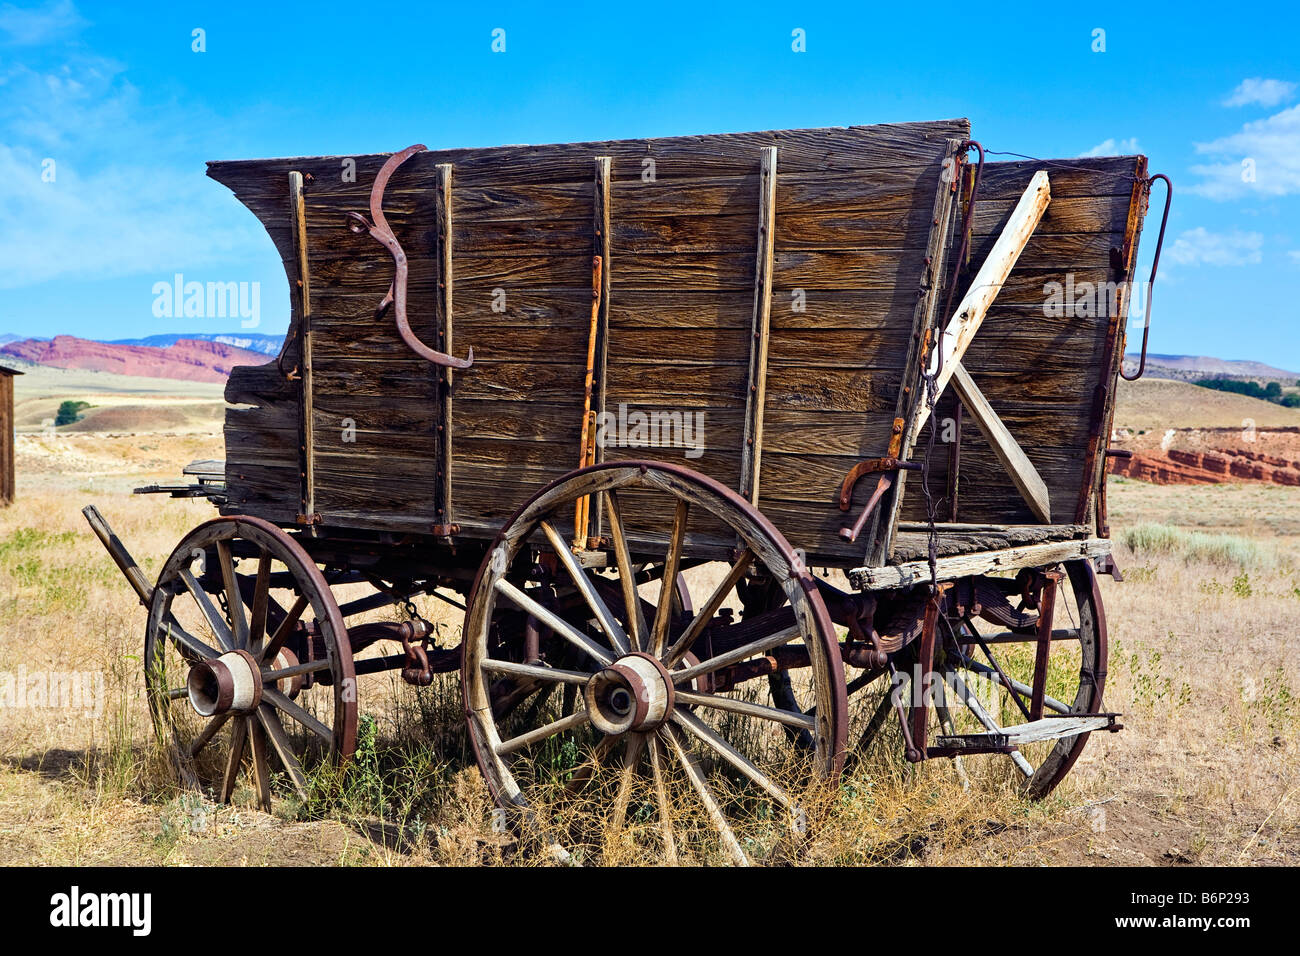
{"x":962,"y":327}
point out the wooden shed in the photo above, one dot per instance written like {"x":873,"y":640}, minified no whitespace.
{"x":7,"y":434}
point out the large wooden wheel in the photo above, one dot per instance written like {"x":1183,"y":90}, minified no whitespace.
{"x":246,"y":656}
{"x":658,"y":715}
{"x":988,"y":673}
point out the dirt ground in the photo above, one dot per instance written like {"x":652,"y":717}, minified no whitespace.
{"x":1206,"y":771}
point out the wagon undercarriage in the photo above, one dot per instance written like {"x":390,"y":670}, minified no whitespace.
{"x":645,"y":634}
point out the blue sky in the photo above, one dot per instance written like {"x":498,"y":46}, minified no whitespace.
{"x":129,"y":113}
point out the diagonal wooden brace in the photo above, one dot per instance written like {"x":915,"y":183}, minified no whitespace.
{"x":961,"y":329}
{"x":974,"y":306}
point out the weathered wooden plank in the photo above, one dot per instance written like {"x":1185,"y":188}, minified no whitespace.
{"x":1009,"y":559}
{"x":444,"y":461}
{"x":883,"y":145}
{"x":1022,"y":471}
{"x":929,"y":280}
{"x":756,"y":379}
{"x":298,"y":219}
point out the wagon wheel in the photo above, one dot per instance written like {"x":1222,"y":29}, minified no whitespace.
{"x":1076,"y":677}
{"x":648,"y":732}
{"x":247,"y":658}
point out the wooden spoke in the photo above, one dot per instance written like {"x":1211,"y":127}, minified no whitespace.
{"x":261,"y":769}
{"x":731,"y":704}
{"x":273,"y":696}
{"x":661,"y":798}
{"x":287,"y":624}
{"x":239,"y":733}
{"x":209,"y":731}
{"x":946,"y":724}
{"x":784,"y":636}
{"x":558,"y":624}
{"x":729,"y":753}
{"x":975,"y":707}
{"x":598,"y":607}
{"x":183,"y":762}
{"x":220,"y":629}
{"x":695,"y":774}
{"x":184,"y":638}
{"x":537,"y":672}
{"x":261,"y":592}
{"x":583,"y":773}
{"x":631,"y":758}
{"x":639,"y":632}
{"x":667,"y":583}
{"x":275,"y":732}
{"x":234,"y":600}
{"x":310,"y":667}
{"x":1016,"y":687}
{"x":576,"y":719}
{"x":696,"y":627}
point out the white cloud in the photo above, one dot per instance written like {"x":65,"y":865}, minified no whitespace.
{"x":1262,"y":159}
{"x":127,"y":196}
{"x":43,"y":24}
{"x":1113,"y":147}
{"x":1294,"y":254}
{"x":1198,"y":246}
{"x":1261,"y":91}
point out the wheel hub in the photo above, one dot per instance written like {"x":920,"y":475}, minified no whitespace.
{"x":225,"y":684}
{"x":635,"y":693}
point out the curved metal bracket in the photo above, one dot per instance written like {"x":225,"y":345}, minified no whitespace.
{"x":1151,"y":282}
{"x":379,"y":230}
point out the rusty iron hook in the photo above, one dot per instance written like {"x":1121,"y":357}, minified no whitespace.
{"x":379,"y":230}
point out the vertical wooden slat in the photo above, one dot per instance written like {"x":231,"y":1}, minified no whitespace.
{"x":756,"y":392}
{"x":443,"y":321}
{"x":306,"y":452}
{"x":600,"y":246}
{"x":932,"y":278}
{"x":7,"y":490}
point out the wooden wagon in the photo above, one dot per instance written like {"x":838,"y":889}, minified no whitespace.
{"x":711,"y":434}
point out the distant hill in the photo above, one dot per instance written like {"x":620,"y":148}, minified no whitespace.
{"x":1188,"y":368}
{"x":253,"y":342}
{"x":189,"y":360}
{"x":1154,"y":404}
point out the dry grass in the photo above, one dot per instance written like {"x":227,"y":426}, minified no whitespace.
{"x":1206,"y":770}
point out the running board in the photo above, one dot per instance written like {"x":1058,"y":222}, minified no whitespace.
{"x":1036,"y":731}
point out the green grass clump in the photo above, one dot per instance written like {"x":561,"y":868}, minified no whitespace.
{"x":1228,"y":550}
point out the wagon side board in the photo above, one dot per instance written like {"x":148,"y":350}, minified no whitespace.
{"x":809,"y":244}
{"x":1046,"y":356}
